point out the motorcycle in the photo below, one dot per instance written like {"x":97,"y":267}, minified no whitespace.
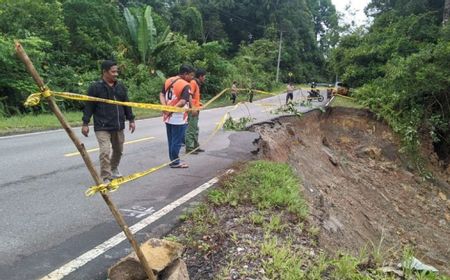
{"x":315,"y":93}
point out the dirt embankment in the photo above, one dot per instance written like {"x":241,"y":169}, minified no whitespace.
{"x":357,"y":184}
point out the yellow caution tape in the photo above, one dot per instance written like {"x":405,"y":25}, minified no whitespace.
{"x":257,"y":91}
{"x":35,"y":98}
{"x":114,"y":185}
{"x":214,"y":98}
{"x":348,"y":97}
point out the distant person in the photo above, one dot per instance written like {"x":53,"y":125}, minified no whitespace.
{"x":250,"y":93}
{"x":176,"y":92}
{"x":290,"y":93}
{"x":109,"y":119}
{"x":192,"y":130}
{"x":234,"y":92}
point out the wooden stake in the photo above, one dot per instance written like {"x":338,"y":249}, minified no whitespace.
{"x":87,"y":160}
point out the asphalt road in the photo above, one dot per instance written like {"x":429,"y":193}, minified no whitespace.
{"x":47,"y":221}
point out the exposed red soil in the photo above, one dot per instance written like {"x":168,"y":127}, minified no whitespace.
{"x":358,"y":185}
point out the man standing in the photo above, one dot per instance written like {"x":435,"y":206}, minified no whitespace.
{"x":250,"y":92}
{"x":192,"y":130}
{"x":290,"y":92}
{"x":109,"y":119}
{"x":234,"y":91}
{"x":176,"y":92}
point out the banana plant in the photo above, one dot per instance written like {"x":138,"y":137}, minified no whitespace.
{"x":144,"y":35}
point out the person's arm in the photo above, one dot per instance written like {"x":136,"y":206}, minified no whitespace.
{"x":162,"y":96}
{"x":129,"y":113}
{"x":127,"y":109}
{"x":88,"y":111}
{"x":185,"y":95}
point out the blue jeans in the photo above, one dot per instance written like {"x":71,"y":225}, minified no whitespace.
{"x":175,"y":135}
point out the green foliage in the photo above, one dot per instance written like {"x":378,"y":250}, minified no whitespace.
{"x":401,"y":66}
{"x":240,"y":124}
{"x":15,"y":83}
{"x":144,"y":34}
{"x":283,"y":262}
{"x":95,"y":29}
{"x":268,"y":185}
{"x":232,"y":40}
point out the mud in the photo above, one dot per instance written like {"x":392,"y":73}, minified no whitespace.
{"x":359,"y":187}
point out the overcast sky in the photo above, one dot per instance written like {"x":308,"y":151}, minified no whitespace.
{"x":356,"y":6}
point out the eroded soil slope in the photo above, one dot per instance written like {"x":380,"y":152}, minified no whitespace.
{"x":359,"y":189}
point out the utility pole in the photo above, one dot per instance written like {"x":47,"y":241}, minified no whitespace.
{"x":279,"y":56}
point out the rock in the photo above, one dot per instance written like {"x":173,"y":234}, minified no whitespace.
{"x":393,"y":270}
{"x":371,"y":152}
{"x":176,"y":271}
{"x":443,"y":196}
{"x":290,"y":130}
{"x":127,"y":269}
{"x":333,"y":224}
{"x":331,"y":157}
{"x":325,"y":142}
{"x":159,"y":254}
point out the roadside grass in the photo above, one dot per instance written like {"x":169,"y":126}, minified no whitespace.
{"x":255,"y":226}
{"x":30,"y":122}
{"x":340,"y":101}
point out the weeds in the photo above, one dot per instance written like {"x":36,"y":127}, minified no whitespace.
{"x":276,"y":187}
{"x":239,"y":124}
{"x":290,"y":108}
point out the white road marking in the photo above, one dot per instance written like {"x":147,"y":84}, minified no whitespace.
{"x":138,"y":211}
{"x":118,"y":238}
{"x":96,"y":149}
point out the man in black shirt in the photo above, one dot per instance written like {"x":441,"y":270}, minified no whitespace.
{"x":109,"y":119}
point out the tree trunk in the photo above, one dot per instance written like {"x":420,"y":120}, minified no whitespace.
{"x":446,"y":12}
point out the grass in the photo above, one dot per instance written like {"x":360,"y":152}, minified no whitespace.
{"x":30,"y":122}
{"x":275,"y":187}
{"x":340,"y":101}
{"x":265,"y":197}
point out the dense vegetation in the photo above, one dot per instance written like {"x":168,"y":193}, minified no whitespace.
{"x":401,"y":66}
{"x":232,"y":40}
{"x":399,"y":63}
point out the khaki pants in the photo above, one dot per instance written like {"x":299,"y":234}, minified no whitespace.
{"x":106,"y":140}
{"x":192,"y":133}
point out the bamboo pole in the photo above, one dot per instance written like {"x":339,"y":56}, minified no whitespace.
{"x":87,"y":160}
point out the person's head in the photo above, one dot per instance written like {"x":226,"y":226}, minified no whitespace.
{"x":186,"y":72}
{"x":234,"y":82}
{"x":290,"y":83}
{"x":110,"y":71}
{"x":200,"y":75}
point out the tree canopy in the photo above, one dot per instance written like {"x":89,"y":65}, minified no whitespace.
{"x":400,"y":64}
{"x":233,"y":40}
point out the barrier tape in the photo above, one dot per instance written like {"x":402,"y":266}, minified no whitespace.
{"x":114,"y":185}
{"x":257,"y":91}
{"x":348,"y":97}
{"x":35,"y":98}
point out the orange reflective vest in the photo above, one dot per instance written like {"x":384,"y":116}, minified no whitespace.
{"x":173,"y":88}
{"x":195,"y":93}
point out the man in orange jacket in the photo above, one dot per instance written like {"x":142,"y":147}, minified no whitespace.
{"x":192,"y":145}
{"x":176,"y":92}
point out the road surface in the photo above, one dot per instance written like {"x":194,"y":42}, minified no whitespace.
{"x":47,"y":221}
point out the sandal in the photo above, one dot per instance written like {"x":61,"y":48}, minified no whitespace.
{"x":180,"y":165}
